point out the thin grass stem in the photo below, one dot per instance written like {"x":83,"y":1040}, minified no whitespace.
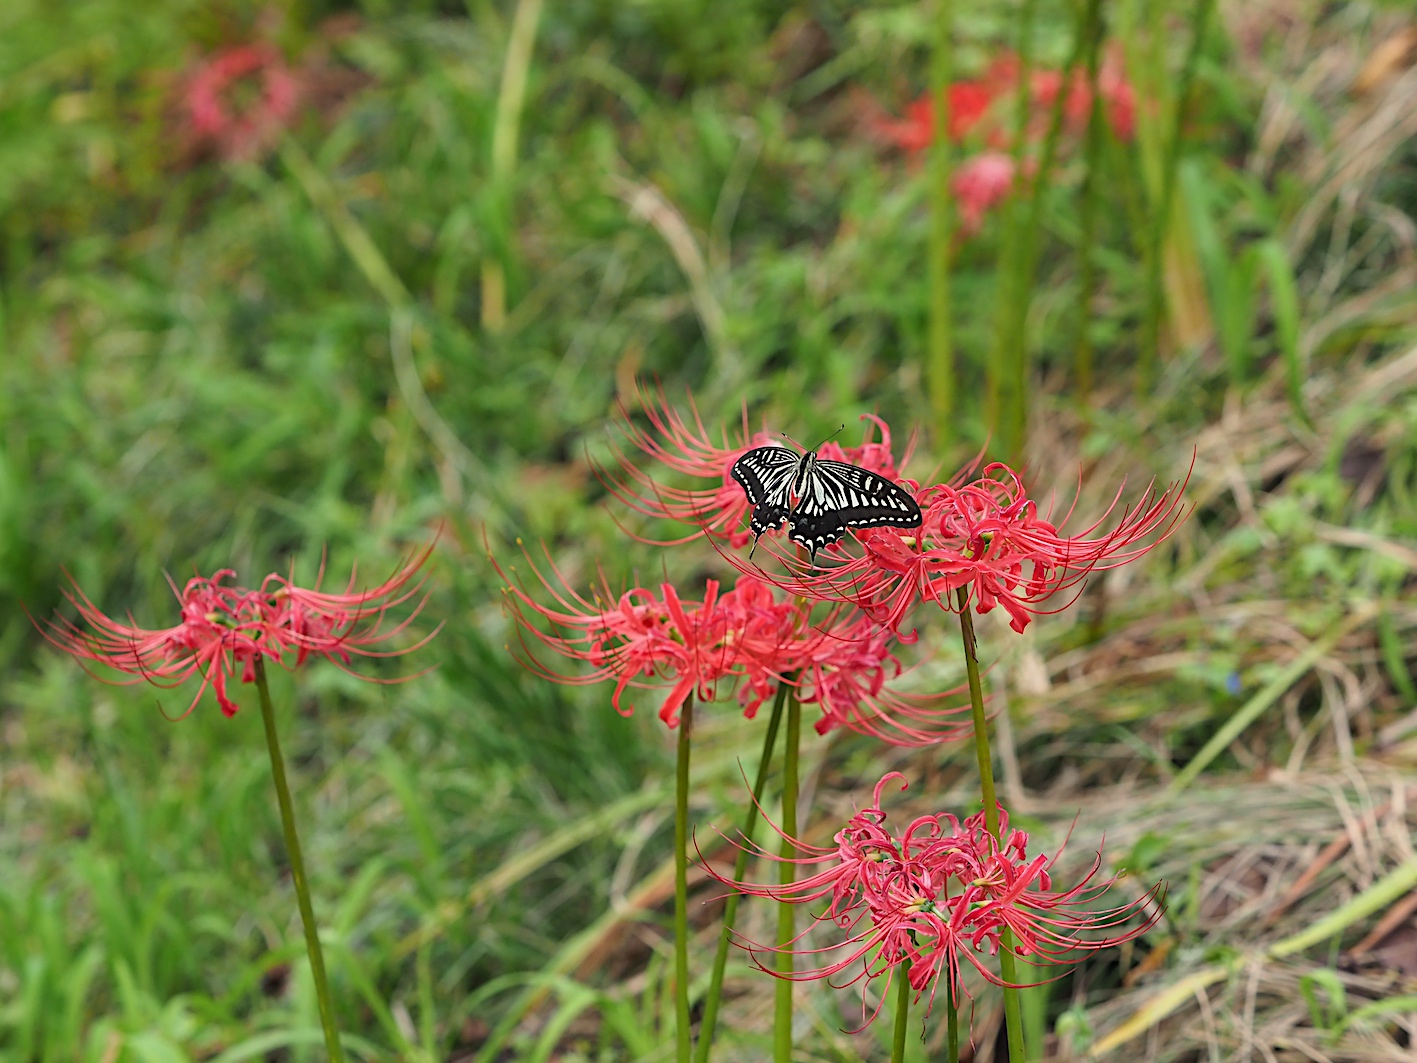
{"x":941,"y":372}
{"x":511,"y":98}
{"x":1092,"y":154}
{"x":1013,"y":1015}
{"x":1161,"y":217}
{"x":1014,"y":414}
{"x":709,"y":1023}
{"x":902,"y":1012}
{"x":786,"y":913}
{"x":999,"y":380}
{"x":681,"y":883}
{"x":297,"y":870}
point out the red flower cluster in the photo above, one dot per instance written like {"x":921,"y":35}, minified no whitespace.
{"x":225,"y":629}
{"x":977,"y":113}
{"x":938,"y":894}
{"x":985,"y":536}
{"x":240,"y":100}
{"x":988,"y":537}
{"x":749,"y":637}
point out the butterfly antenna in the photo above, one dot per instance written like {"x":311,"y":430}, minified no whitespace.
{"x":829,"y":438}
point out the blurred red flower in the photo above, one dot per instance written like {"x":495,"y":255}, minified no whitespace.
{"x":225,"y":629}
{"x":240,"y":99}
{"x":969,"y":104}
{"x":984,"y":179}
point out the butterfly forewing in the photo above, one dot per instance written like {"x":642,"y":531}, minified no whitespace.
{"x":766,"y":475}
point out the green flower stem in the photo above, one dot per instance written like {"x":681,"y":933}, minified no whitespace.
{"x":902,"y":1012}
{"x":1013,"y":1014}
{"x":786,"y":923}
{"x":681,"y":881}
{"x":951,"y":1026}
{"x":740,"y":868}
{"x":297,"y":870}
{"x":941,"y":370}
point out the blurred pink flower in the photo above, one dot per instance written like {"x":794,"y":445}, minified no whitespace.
{"x":240,"y":100}
{"x":980,"y":183}
{"x":1118,"y":97}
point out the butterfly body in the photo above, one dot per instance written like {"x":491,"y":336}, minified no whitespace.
{"x":817,"y":497}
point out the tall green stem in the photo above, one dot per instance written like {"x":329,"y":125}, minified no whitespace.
{"x":740,"y":868}
{"x":1092,"y":149}
{"x":951,"y":1025}
{"x":1161,"y":220}
{"x":1000,"y":382}
{"x":681,"y":881}
{"x":786,"y":923}
{"x":1013,"y":1014}
{"x":297,"y":870}
{"x":1014,"y":414}
{"x":941,"y":375}
{"x":902,"y":1012}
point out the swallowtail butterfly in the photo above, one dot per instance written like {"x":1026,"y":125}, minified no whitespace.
{"x":818,"y":498}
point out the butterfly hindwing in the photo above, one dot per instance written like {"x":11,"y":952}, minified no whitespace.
{"x":766,"y":475}
{"x":838,"y":496}
{"x":865,"y":499}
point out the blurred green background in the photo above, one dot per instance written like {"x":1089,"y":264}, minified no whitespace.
{"x":415,"y":296}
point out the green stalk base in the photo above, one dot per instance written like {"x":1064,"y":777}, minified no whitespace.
{"x":297,"y":870}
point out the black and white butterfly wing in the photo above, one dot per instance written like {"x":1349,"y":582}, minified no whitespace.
{"x":766,"y":475}
{"x":838,"y":496}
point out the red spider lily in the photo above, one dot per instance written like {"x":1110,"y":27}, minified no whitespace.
{"x":849,"y":672}
{"x":747,"y":636}
{"x":687,"y":448}
{"x":938,"y":894}
{"x":640,"y":639}
{"x":241,"y":99}
{"x":989,"y":537}
{"x":226,"y":629}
